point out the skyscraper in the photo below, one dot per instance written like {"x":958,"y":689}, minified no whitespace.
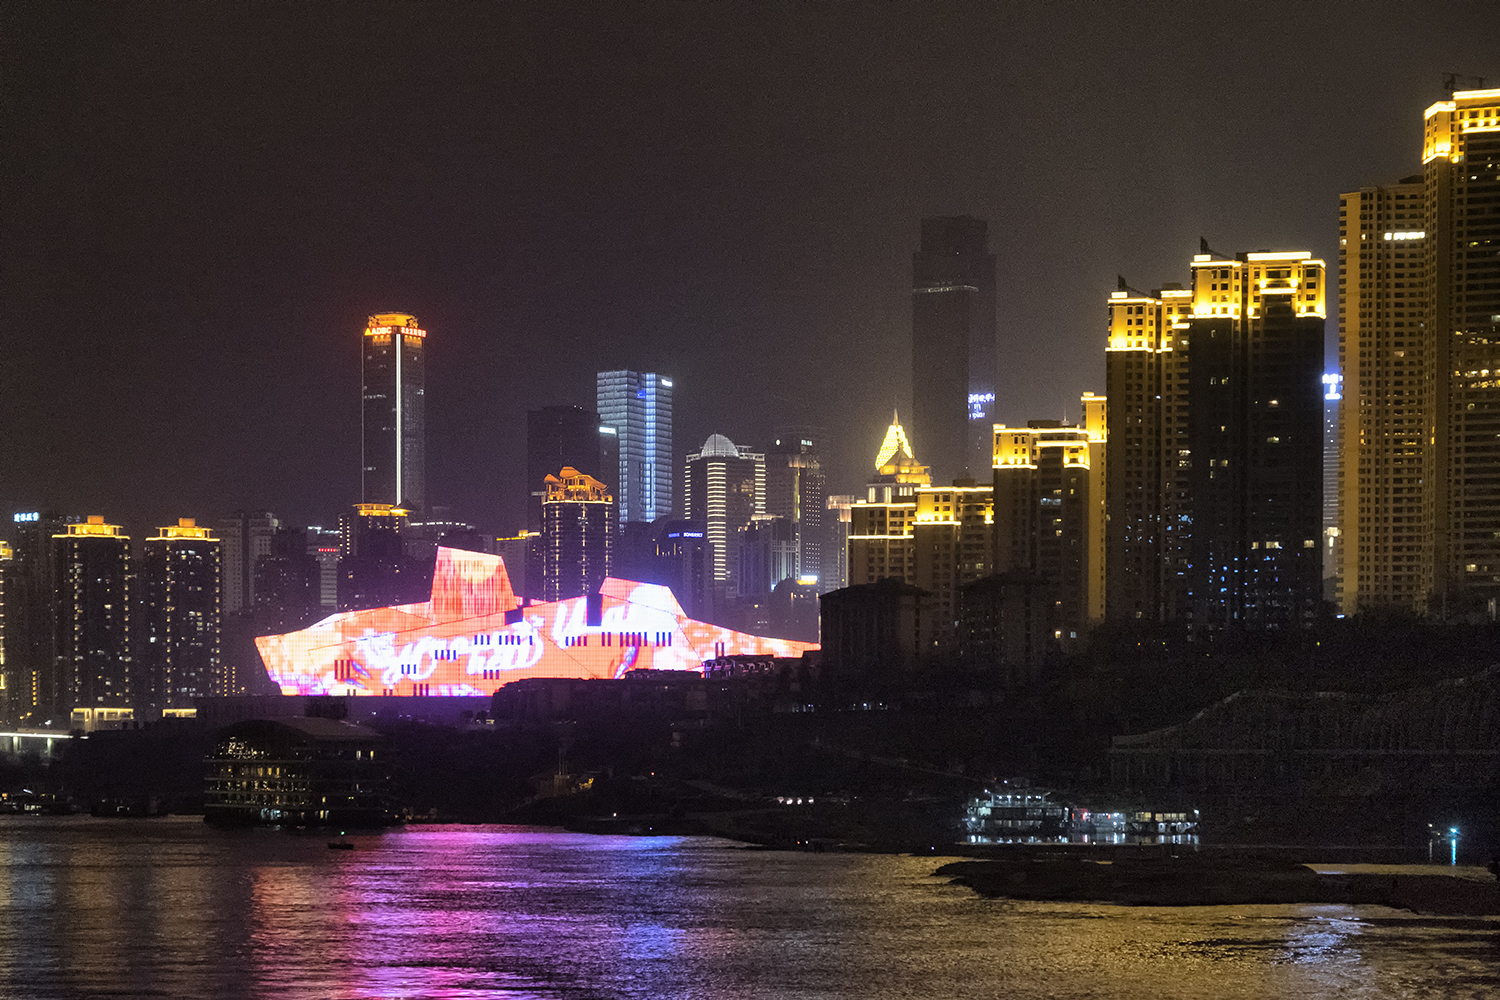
{"x":1461,"y":264}
{"x":7,"y":709}
{"x":953,"y":347}
{"x":374,"y":569}
{"x":178,"y":652}
{"x":638,"y":405}
{"x":723,"y":487}
{"x":1419,"y":345}
{"x":92,"y":587}
{"x":1384,"y":408}
{"x":578,"y":530}
{"x":1049,"y":512}
{"x":1215,"y":444}
{"x":879,"y":539}
{"x":796,"y":490}
{"x":246,"y":537}
{"x":558,"y":436}
{"x":31,"y":680}
{"x":394,"y":433}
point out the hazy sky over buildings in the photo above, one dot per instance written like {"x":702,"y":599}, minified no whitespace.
{"x":202,"y":203}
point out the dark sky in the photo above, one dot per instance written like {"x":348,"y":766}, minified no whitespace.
{"x":202,"y":203}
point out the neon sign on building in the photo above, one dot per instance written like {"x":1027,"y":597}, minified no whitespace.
{"x":473,"y":635}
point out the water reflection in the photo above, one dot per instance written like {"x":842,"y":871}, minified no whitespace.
{"x":171,"y":908}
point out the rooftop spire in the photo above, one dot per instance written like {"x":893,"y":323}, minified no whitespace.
{"x":895,"y":442}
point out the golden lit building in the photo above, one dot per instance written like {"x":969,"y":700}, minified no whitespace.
{"x":880,"y":538}
{"x":1419,"y":347}
{"x":1049,"y":511}
{"x":1382,"y":355}
{"x":1461,"y":184}
{"x":179,"y":652}
{"x":394,"y":428}
{"x":1215,"y":443}
{"x":92,"y":625}
{"x":578,"y":528}
{"x":1146,"y":384}
{"x":953,"y":543}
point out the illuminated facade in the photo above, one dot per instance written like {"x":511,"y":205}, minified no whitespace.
{"x":723,"y":488}
{"x":93,"y":576}
{"x":953,"y":346}
{"x":796,"y":490}
{"x":7,"y":555}
{"x":936,"y":538}
{"x":472,"y":635}
{"x":953,"y":544}
{"x":1214,"y":444}
{"x":561,"y":437}
{"x":374,"y":569}
{"x":394,"y":433}
{"x":1049,"y":511}
{"x":1461,"y":182}
{"x":178,"y":652}
{"x":1419,"y":348}
{"x":1384,"y":553}
{"x":638,"y":406}
{"x":578,"y":528}
{"x":31,"y":679}
{"x":879,"y":538}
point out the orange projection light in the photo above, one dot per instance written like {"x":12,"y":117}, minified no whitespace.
{"x":473,"y":635}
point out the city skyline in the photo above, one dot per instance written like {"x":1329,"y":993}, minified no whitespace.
{"x":170,"y":407}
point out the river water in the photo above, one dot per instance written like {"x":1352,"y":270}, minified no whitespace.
{"x":171,"y":908}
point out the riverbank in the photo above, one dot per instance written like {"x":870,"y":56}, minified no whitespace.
{"x":1197,"y":880}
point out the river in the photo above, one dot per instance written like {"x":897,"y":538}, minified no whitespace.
{"x":172,"y":908}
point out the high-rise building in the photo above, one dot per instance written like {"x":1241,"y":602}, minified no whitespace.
{"x":1333,"y":385}
{"x":723,"y":487}
{"x":638,"y":406}
{"x":837,"y":520}
{"x":879,"y":538}
{"x":796,"y":490}
{"x":937,"y":538}
{"x":246,"y":536}
{"x":1383,"y":353}
{"x":7,"y":556}
{"x":953,"y":346}
{"x":374,"y":569}
{"x":1215,"y":444}
{"x":558,"y":437}
{"x":394,"y":428}
{"x":1049,"y":512}
{"x":92,"y":576}
{"x":323,"y":545}
{"x":522,"y":553}
{"x":1461,"y":264}
{"x":32,"y":683}
{"x":953,"y":544}
{"x":289,"y":583}
{"x":1419,"y":343}
{"x":578,"y":530}
{"x":177,"y":658}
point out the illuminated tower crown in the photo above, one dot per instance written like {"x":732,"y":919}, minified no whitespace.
{"x":896,"y":458}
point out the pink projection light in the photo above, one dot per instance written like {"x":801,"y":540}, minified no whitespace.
{"x":472,"y":635}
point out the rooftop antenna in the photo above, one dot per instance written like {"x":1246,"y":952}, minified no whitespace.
{"x":1460,"y":81}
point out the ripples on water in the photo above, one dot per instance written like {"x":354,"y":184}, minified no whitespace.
{"x":172,"y":908}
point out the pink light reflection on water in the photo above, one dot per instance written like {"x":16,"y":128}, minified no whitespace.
{"x":415,"y":913}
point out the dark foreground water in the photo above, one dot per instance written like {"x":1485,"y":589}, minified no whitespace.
{"x":171,"y":908}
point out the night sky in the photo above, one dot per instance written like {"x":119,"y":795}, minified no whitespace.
{"x":203,"y":202}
